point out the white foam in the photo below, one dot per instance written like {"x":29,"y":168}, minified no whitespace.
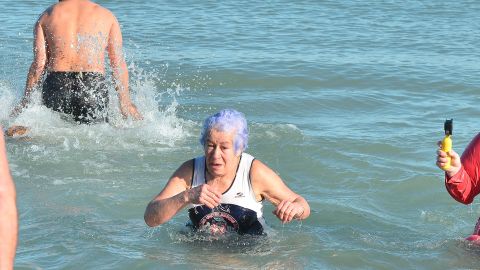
{"x":8,"y":98}
{"x":158,"y":106}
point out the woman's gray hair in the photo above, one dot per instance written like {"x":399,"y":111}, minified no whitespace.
{"x":227,"y":120}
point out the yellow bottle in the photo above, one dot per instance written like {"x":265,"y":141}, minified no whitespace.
{"x":447,"y":141}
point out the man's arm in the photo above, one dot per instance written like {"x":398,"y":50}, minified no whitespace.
{"x":269,"y":185}
{"x":36,"y":68}
{"x":8,"y":212}
{"x":120,"y":72}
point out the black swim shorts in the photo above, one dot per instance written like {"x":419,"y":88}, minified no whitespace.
{"x":83,"y":95}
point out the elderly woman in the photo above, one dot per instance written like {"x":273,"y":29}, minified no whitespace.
{"x":225,"y":187}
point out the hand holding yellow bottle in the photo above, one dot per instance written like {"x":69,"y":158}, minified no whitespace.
{"x":446,"y":145}
{"x":447,"y":159}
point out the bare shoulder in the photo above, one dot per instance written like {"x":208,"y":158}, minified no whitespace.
{"x":105,"y":13}
{"x":263,"y":177}
{"x":184,"y":173}
{"x":186,"y":167}
{"x":45,"y":14}
{"x":267,"y":184}
{"x":180,"y":180}
{"x":104,"y":10}
{"x":261,"y":170}
{"x":53,"y":9}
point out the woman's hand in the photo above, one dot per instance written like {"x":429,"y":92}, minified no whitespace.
{"x":286,"y":211}
{"x":204,"y":194}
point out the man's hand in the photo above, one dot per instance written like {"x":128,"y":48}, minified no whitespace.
{"x":131,"y":110}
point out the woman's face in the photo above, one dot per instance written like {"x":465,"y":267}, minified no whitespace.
{"x":220,"y":154}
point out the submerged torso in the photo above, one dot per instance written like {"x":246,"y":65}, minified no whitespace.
{"x":238,"y":210}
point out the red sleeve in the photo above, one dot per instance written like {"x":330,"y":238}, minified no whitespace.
{"x":465,"y":184}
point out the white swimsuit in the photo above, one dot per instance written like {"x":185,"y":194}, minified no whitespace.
{"x":238,"y":210}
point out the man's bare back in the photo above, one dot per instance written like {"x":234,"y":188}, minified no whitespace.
{"x":76,"y":34}
{"x":72,"y":37}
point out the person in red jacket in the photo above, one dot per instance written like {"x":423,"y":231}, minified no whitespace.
{"x":462,"y":178}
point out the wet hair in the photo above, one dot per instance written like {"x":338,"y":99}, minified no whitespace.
{"x":227,"y":120}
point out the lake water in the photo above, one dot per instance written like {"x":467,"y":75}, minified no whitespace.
{"x":345,"y":101}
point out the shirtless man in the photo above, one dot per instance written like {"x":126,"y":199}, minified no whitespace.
{"x":8,"y":212}
{"x":70,"y":40}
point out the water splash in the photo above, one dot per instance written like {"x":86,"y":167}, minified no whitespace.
{"x":6,"y":102}
{"x":157,"y":104}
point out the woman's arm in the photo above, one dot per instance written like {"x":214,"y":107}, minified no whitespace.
{"x":177,"y":194}
{"x":267,"y":184}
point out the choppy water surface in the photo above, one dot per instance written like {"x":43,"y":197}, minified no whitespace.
{"x":345,"y":100}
